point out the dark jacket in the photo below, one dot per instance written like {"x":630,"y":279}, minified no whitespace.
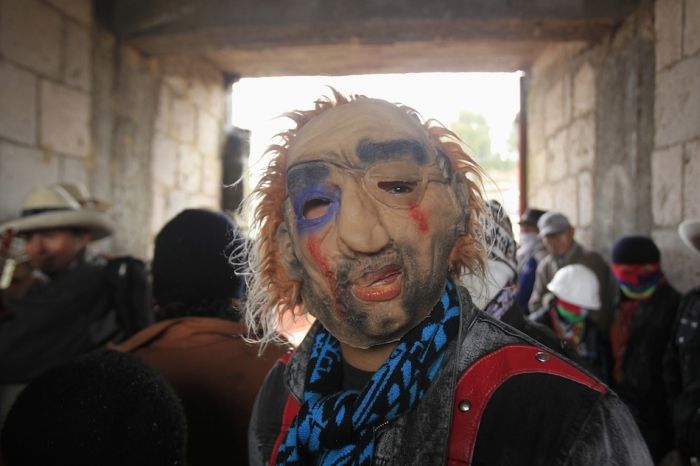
{"x":215,"y":373}
{"x":642,"y":387}
{"x":76,"y":311}
{"x":533,"y":418}
{"x":682,"y":374}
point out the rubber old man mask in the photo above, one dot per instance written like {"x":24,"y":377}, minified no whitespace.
{"x":371,"y":216}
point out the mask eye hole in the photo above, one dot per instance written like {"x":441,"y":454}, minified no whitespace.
{"x":397,"y":187}
{"x":315,"y":208}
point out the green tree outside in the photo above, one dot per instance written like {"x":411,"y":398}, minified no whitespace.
{"x":473,"y":129}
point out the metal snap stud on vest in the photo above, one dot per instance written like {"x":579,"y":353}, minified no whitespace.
{"x":464,"y":406}
{"x":541,"y":356}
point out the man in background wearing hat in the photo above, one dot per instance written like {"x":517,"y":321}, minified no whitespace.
{"x":639,"y":336}
{"x":75,"y":302}
{"x":558,"y":236}
{"x":530,"y":252}
{"x":682,"y":362}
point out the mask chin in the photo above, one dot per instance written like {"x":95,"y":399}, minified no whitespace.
{"x":498,"y":276}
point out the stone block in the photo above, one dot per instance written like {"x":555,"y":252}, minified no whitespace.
{"x":217,"y":101}
{"x":666,"y":182}
{"x":557,"y":106}
{"x":65,"y":119}
{"x":18,"y":104}
{"x":183,"y":120}
{"x":74,"y":170}
{"x":691,"y":175}
{"x":208,"y":135}
{"x":584,"y":237}
{"x":176,"y":74}
{"x":536,"y":170}
{"x":585,"y":199}
{"x":677,"y":103}
{"x":165,"y":163}
{"x":565,"y":198}
{"x":536,"y":139}
{"x":680,"y":265}
{"x":541,"y":198}
{"x":78,"y":70}
{"x":558,"y":156}
{"x":584,"y":90}
{"x":691,"y":28}
{"x":162,"y":122}
{"x":189,"y":169}
{"x":669,"y":31}
{"x":21,"y":170}
{"x":158,"y":208}
{"x":80,"y":10}
{"x":177,"y":200}
{"x":31,"y":35}
{"x":212,"y":182}
{"x":581,"y":143}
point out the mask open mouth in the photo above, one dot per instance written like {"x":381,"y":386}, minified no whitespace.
{"x":381,"y":284}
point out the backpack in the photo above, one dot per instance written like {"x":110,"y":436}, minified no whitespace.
{"x":128,"y":281}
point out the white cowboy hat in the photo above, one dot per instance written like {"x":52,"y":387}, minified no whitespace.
{"x":80,"y":193}
{"x":54,"y":207}
{"x":689,"y":231}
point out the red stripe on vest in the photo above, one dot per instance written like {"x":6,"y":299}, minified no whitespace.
{"x":478,"y":383}
{"x":291,"y":408}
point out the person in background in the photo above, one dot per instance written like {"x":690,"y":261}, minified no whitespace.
{"x":104,"y":408}
{"x":639,"y":336}
{"x":558,"y":236}
{"x":495,"y":294}
{"x":531,"y":251}
{"x":576,"y":297}
{"x":198,"y":344}
{"x":73,"y":301}
{"x":682,"y":362}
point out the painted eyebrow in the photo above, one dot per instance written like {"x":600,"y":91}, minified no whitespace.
{"x":369,"y":151}
{"x":305,"y":175}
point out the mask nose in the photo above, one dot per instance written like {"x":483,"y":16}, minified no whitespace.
{"x":360,"y":229}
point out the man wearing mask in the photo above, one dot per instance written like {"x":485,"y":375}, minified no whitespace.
{"x":639,"y":336}
{"x":366,"y":217}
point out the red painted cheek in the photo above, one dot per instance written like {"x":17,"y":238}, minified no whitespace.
{"x":315,"y":250}
{"x":419,"y":218}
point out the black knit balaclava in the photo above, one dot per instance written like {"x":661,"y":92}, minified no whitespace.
{"x":191,"y":261}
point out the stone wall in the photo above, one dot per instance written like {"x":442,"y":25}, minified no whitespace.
{"x":45,"y":89}
{"x":675,"y":183}
{"x":613,"y":135}
{"x":75,"y":105}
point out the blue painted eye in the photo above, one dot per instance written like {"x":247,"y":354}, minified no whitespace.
{"x":314,"y":206}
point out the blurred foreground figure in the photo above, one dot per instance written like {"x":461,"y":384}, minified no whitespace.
{"x":682,"y":362}
{"x":198,"y":343}
{"x":367,"y":217}
{"x":104,"y":408}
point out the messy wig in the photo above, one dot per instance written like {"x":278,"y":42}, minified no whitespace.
{"x":271,"y":292}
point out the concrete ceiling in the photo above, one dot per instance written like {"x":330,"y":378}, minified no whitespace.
{"x":338,"y":37}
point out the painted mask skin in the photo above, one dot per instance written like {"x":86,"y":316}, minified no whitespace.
{"x":372,"y":216}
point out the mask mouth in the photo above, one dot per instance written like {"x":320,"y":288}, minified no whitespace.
{"x":380,"y":284}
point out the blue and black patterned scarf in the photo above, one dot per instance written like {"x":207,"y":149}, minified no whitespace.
{"x":336,"y":427}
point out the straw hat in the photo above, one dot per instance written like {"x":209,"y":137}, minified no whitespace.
{"x":689,"y":231}
{"x":54,"y":207}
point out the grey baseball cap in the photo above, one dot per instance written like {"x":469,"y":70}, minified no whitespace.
{"x":552,"y":223}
